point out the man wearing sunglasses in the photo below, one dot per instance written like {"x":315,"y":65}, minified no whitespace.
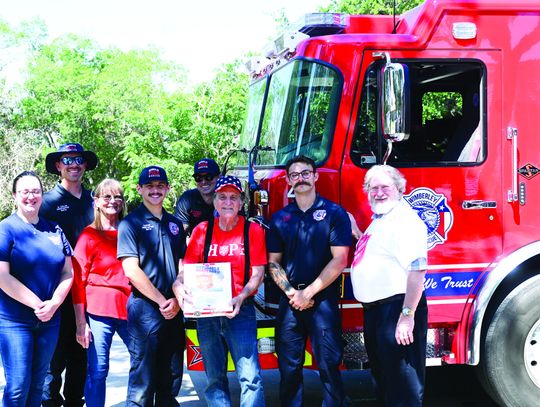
{"x":196,"y":205}
{"x":71,"y":206}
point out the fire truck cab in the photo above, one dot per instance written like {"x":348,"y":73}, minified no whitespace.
{"x":447,"y":93}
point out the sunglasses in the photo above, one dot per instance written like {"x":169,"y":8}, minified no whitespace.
{"x":70,"y":160}
{"x":200,"y":177}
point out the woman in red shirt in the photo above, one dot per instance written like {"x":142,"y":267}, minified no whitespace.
{"x":100,"y":288}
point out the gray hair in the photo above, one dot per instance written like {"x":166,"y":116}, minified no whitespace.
{"x":397,"y":177}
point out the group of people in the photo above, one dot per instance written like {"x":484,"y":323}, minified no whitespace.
{"x":126,"y":275}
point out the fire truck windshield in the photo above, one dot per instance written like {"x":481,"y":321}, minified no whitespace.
{"x":298,"y":115}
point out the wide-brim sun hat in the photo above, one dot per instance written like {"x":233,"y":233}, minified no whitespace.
{"x":52,"y":158}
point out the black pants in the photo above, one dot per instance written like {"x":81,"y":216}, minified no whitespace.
{"x":321,"y":324}
{"x":398,"y":370}
{"x":68,"y":356}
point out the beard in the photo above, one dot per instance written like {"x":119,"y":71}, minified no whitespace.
{"x":382,"y":208}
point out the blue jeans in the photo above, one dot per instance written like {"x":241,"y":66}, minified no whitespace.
{"x":70,"y":357}
{"x":26,"y":349}
{"x":156,"y":348}
{"x":322,"y":324}
{"x":103,"y":329}
{"x":239,"y":336}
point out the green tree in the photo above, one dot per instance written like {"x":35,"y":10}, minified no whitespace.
{"x":385,"y":7}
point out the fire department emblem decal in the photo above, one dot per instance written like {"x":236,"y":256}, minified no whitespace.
{"x":319,"y":215}
{"x":434,"y":211}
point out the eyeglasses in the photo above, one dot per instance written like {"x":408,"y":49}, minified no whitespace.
{"x":26,"y":192}
{"x":296,"y":175}
{"x":383,"y":188}
{"x":70,"y":160}
{"x":200,"y":177}
{"x":109,"y":198}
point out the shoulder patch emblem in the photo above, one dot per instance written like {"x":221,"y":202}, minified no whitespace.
{"x":433,"y":209}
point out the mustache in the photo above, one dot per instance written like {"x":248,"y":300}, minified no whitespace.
{"x":301,"y":183}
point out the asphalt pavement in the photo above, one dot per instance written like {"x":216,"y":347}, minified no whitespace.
{"x":449,"y":386}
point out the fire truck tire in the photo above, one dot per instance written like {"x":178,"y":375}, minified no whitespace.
{"x":510,"y":363}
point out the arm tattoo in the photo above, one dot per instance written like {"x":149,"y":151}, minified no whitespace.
{"x":279,"y":276}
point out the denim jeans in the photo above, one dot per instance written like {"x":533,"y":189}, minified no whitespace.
{"x":156,"y":348}
{"x":238,"y":335}
{"x":70,"y":357}
{"x":26,"y":349}
{"x":103,"y":329}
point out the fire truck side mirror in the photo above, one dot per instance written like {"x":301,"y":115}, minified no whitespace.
{"x":395,"y":101}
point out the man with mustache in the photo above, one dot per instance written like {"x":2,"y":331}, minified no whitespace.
{"x":387,"y":276}
{"x":151,"y":243}
{"x":310,"y":237}
{"x":70,"y":205}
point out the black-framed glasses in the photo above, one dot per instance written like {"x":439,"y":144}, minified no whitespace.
{"x":296,"y":175}
{"x":201,"y":177}
{"x":79,"y":159}
{"x":108,"y":198}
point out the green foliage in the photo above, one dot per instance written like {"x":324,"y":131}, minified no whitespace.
{"x":385,"y":7}
{"x":133,"y":109}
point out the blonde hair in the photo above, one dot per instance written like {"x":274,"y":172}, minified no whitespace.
{"x":112,"y":186}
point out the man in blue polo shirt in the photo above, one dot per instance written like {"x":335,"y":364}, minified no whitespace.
{"x":310,"y":237}
{"x":70,"y":205}
{"x":151,"y":243}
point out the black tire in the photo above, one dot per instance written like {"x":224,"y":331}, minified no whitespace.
{"x":503,"y":363}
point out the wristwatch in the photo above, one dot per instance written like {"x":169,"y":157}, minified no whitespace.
{"x":408,"y":312}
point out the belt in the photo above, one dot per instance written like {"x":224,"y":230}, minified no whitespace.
{"x":397,"y":297}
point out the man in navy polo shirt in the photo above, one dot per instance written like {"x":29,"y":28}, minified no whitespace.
{"x":151,"y":243}
{"x":310,"y":237}
{"x":197,"y":205}
{"x":71,"y":206}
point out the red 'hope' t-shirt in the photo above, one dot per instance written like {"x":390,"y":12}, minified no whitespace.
{"x":228,"y":246}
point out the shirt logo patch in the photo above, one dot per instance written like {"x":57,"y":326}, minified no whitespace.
{"x":148,"y":226}
{"x":62,"y":208}
{"x":173,"y":227}
{"x":434,"y":211}
{"x":319,"y":215}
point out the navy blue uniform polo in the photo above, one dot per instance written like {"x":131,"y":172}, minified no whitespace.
{"x":158,"y":244}
{"x":305,"y":239}
{"x":192,"y":209}
{"x":71,"y":213}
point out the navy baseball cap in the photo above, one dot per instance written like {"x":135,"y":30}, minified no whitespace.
{"x":52,"y":158}
{"x":206,"y":166}
{"x":152,"y":173}
{"x":228,"y":181}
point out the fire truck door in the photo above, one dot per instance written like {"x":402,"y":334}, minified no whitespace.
{"x":452,"y":163}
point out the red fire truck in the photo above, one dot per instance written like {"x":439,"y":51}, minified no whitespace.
{"x":447,"y":93}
